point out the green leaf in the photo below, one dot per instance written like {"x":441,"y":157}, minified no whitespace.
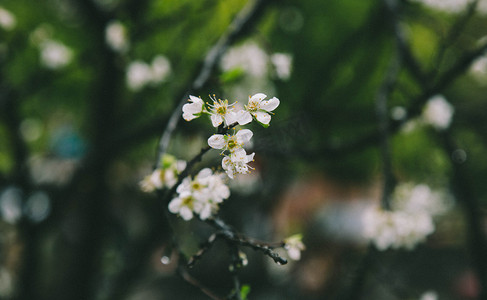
{"x":244,"y":291}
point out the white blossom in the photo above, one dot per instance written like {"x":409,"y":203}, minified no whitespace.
{"x":230,"y":142}
{"x":260,"y":108}
{"x":140,"y":74}
{"x":55,"y":55}
{"x":220,"y":111}
{"x":7,"y":19}
{"x":438,"y":112}
{"x":420,"y":198}
{"x":282,"y":64}
{"x":237,"y":162}
{"x":396,"y":229}
{"x":199,"y":195}
{"x":164,"y":177}
{"x":194,"y":109}
{"x":116,"y":36}
{"x":294,"y":245}
{"x":429,"y":295}
{"x":160,"y":68}
{"x":249,"y":57}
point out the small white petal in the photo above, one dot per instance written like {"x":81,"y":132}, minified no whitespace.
{"x":270,"y":105}
{"x":174,"y":205}
{"x":263,"y":117}
{"x":244,"y":135}
{"x":204,"y":173}
{"x":205,"y":212}
{"x":294,"y":253}
{"x":244,"y":117}
{"x":257,"y":97}
{"x":216,"y":120}
{"x":230,"y":118}
{"x":186,"y":213}
{"x":216,"y":141}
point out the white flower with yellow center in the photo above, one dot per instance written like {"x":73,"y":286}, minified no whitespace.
{"x":230,"y":142}
{"x":237,"y":162}
{"x":193,"y":110}
{"x":183,"y":205}
{"x":220,"y":111}
{"x":259,"y":108}
{"x":201,"y":195}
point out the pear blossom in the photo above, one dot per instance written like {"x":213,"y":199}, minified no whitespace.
{"x":282,"y":63}
{"x":438,"y":112}
{"x":199,"y":195}
{"x":220,"y":111}
{"x":140,"y":74}
{"x":164,"y":177}
{"x":237,"y":162}
{"x":116,"y":36}
{"x":7,"y":19}
{"x":230,"y":142}
{"x":55,"y":55}
{"x":183,"y":205}
{"x":294,"y":245}
{"x":260,"y":109}
{"x":396,"y":229}
{"x":194,"y":109}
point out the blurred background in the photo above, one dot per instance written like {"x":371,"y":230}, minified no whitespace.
{"x":382,"y":110}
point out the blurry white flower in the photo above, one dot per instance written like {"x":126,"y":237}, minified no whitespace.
{"x":11,"y":204}
{"x":438,"y":112}
{"x":166,"y":176}
{"x":7,"y":19}
{"x":282,"y":63}
{"x":116,"y":36}
{"x":161,"y":69}
{"x":249,"y":57}
{"x":140,"y":74}
{"x":420,"y":198}
{"x":55,"y":55}
{"x":396,"y":229}
{"x":294,"y":246}
{"x":451,"y":6}
{"x":260,"y":109}
{"x":193,"y":110}
{"x":429,"y":295}
{"x":183,"y":205}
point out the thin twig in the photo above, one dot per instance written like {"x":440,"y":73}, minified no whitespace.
{"x":235,"y":29}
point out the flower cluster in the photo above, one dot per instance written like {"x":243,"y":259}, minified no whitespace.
{"x":235,"y":158}
{"x":409,"y":222}
{"x":221,"y":112}
{"x":396,"y":229}
{"x":200,"y":195}
{"x":164,"y":177}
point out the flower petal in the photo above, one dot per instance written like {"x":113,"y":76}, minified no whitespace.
{"x":216,"y":141}
{"x":257,"y":97}
{"x":263,"y":117}
{"x":244,"y":135}
{"x":230,"y":118}
{"x":186,"y":213}
{"x":270,"y":105}
{"x":216,"y":120}
{"x":175,"y":205}
{"x":244,"y":117}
